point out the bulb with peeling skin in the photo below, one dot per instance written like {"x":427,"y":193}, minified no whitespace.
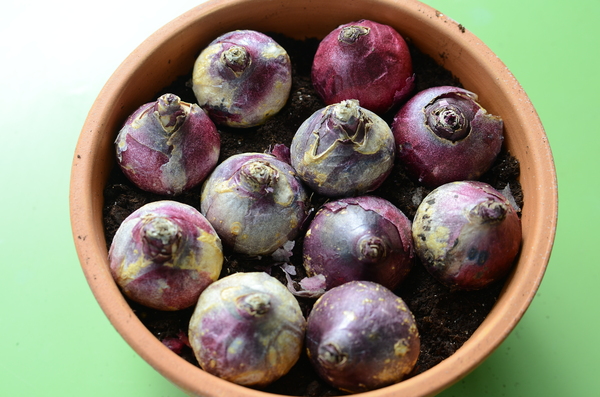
{"x":247,"y":328}
{"x":360,"y":336}
{"x":343,"y":150}
{"x":363,"y":60}
{"x":168,"y":146}
{"x":466,"y":234}
{"x":361,"y":238}
{"x":242,"y":78}
{"x":255,"y":202}
{"x":443,"y":135}
{"x":165,"y":254}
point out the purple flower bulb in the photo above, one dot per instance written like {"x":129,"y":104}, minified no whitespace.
{"x":361,"y":238}
{"x":466,"y":234}
{"x":168,"y":146}
{"x":247,"y":328}
{"x":242,"y":78}
{"x":343,"y":150}
{"x":165,"y":254}
{"x":360,"y":336}
{"x":363,"y":60}
{"x":443,"y":135}
{"x":255,"y":202}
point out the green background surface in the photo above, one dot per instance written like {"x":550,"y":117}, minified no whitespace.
{"x":56,"y":56}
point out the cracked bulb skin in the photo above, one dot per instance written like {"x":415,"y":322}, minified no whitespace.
{"x":360,"y":336}
{"x":168,"y":146}
{"x":242,"y":78}
{"x":467,"y":234}
{"x":247,"y":328}
{"x":255,"y":202}
{"x":363,"y":60}
{"x":444,"y":135}
{"x":359,"y":238}
{"x":164,"y":255}
{"x":343,"y":150}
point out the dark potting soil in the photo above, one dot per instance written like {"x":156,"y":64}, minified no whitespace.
{"x":445,"y":318}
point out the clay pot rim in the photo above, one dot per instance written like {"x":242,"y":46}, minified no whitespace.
{"x":87,"y":177}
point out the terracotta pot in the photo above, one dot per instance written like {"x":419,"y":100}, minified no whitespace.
{"x":170,"y":52}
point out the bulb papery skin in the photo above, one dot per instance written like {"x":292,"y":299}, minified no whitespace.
{"x":168,"y":146}
{"x":363,"y":60}
{"x":444,"y":135}
{"x":247,"y":328}
{"x":466,"y":234}
{"x":360,"y":336}
{"x":343,"y":150}
{"x":359,"y":238}
{"x":165,"y":254}
{"x":255,"y":202}
{"x":242,"y":78}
